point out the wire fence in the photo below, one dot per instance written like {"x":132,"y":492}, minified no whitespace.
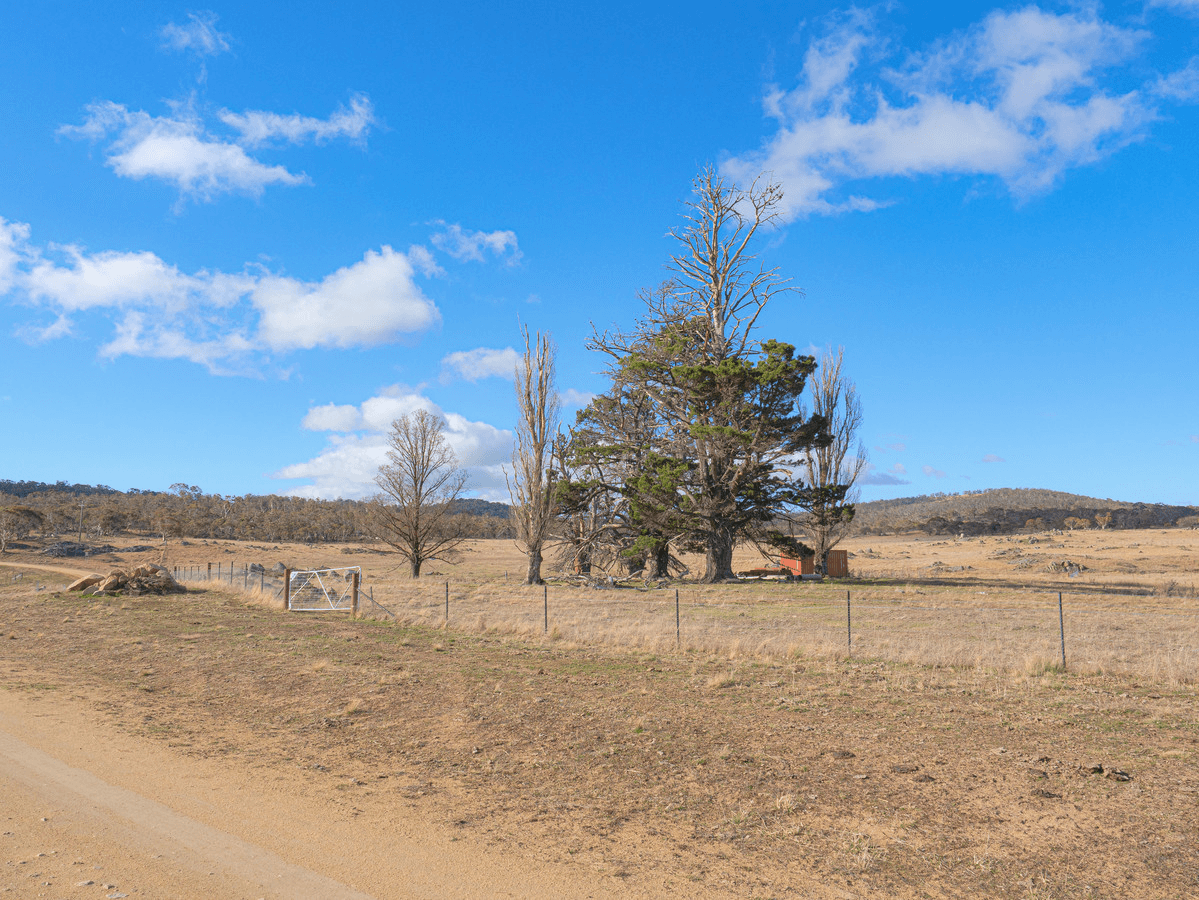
{"x":1017,"y":630}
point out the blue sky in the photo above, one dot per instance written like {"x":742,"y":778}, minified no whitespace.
{"x":236,"y":242}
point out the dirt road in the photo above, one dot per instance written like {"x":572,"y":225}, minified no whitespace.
{"x":90,"y":812}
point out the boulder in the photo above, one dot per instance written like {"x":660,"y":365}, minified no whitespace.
{"x":113,"y":582}
{"x":85,"y":582}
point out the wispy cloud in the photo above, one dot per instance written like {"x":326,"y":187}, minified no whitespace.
{"x":871,"y":475}
{"x":180,"y":150}
{"x":464,"y":244}
{"x":992,"y":458}
{"x":1186,"y":6}
{"x":931,"y":472}
{"x":574,"y":398}
{"x":1022,"y":96}
{"x":258,"y":128}
{"x":357,"y":446}
{"x":198,"y":35}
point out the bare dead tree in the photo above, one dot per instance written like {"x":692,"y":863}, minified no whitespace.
{"x":832,"y":470}
{"x":530,"y":486}
{"x":419,"y":484}
{"x":719,"y":281}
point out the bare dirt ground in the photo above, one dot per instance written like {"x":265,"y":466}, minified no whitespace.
{"x":511,"y":759}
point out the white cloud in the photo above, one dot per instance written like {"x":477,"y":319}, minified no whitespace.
{"x":482,"y":362}
{"x":368,"y":303}
{"x":932,"y":473}
{"x":220,"y":320}
{"x":1016,"y":97}
{"x":351,"y":458}
{"x":899,"y":469}
{"x":571,"y":397}
{"x":1182,"y":85}
{"x":177,"y":150}
{"x":464,"y":244}
{"x":181,"y":151}
{"x":992,"y":458}
{"x":14,"y":236}
{"x":332,"y":417}
{"x":258,"y":127}
{"x":199,"y":35}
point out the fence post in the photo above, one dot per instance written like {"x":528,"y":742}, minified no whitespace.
{"x":678,"y":635}
{"x":354,"y":595}
{"x":209,"y":576}
{"x":287,"y":588}
{"x":219,"y":576}
{"x":1061,"y":624}
{"x":447,"y":603}
{"x":545,"y":596}
{"x":848,"y":624}
{"x":261,"y":580}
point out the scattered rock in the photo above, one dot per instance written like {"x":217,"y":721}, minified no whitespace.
{"x":923,"y":778}
{"x":1048,"y":795}
{"x":904,"y":770}
{"x":843,"y":754}
{"x":1118,"y":775}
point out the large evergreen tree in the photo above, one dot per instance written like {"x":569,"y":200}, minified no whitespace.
{"x":726,"y":425}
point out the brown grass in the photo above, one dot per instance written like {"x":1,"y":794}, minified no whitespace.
{"x":987,"y":603}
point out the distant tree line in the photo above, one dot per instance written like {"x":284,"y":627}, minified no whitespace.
{"x":187,"y":512}
{"x":1009,"y":510}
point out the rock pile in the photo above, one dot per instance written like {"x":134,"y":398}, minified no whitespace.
{"x":74,"y":548}
{"x":145,"y":579}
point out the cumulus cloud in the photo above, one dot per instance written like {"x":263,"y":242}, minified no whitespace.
{"x":1020,"y":97}
{"x":180,"y":150}
{"x":217,"y":319}
{"x":198,"y":35}
{"x":482,"y":362}
{"x":992,"y":458}
{"x":464,"y":244}
{"x":368,"y":303}
{"x":932,"y":473}
{"x":346,"y":467}
{"x":899,"y":469}
{"x":176,"y":149}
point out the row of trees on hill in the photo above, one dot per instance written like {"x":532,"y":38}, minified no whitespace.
{"x":702,"y":441}
{"x":1007,"y":510}
{"x":187,"y":512}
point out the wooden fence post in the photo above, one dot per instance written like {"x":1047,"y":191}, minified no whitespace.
{"x":287,"y":588}
{"x":210,"y":571}
{"x":354,"y":596}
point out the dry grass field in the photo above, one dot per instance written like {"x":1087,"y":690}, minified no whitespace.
{"x":1130,"y":601}
{"x":945,"y":754}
